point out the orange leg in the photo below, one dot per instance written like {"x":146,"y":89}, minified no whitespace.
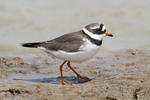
{"x":78,"y":75}
{"x":62,"y":78}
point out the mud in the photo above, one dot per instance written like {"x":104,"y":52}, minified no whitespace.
{"x":121,"y":75}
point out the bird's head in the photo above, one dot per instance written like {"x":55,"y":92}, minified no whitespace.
{"x":96,"y":31}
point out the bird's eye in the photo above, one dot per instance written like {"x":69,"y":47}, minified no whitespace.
{"x":104,"y":30}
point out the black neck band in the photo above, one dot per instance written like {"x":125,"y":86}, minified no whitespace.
{"x":94,"y":41}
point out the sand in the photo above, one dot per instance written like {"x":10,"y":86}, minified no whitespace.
{"x":120,"y":75}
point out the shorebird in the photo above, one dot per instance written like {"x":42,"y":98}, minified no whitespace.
{"x":74,"y":47}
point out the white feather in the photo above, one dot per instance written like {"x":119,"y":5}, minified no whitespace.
{"x":103,"y":28}
{"x":86,"y":51}
{"x":42,"y":48}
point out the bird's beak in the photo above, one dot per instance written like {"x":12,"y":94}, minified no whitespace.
{"x":108,"y":34}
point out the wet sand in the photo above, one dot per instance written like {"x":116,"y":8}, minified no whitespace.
{"x":119,"y":75}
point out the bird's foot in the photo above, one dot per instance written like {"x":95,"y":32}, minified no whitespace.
{"x":66,"y":83}
{"x":80,"y":79}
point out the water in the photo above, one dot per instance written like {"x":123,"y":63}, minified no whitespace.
{"x":39,"y":20}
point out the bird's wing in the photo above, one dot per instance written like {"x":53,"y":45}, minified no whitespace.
{"x":68,"y":42}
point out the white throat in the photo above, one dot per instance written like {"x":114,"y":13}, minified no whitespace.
{"x":94,"y":36}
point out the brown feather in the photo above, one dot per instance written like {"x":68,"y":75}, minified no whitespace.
{"x":69,"y":42}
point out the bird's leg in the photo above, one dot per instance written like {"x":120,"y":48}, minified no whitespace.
{"x":78,"y":75}
{"x":62,"y":78}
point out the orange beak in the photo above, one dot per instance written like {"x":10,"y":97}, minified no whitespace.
{"x":108,"y":34}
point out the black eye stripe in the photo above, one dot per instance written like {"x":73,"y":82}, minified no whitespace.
{"x":101,"y":26}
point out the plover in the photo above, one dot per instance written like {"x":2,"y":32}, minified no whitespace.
{"x":74,"y":47}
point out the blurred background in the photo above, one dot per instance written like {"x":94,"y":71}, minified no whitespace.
{"x":39,"y":20}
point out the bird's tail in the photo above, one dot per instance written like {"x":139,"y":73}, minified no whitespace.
{"x":31,"y":45}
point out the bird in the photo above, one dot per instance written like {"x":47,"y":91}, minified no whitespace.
{"x":76,"y":46}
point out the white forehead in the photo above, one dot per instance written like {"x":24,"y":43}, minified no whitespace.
{"x":103,"y":28}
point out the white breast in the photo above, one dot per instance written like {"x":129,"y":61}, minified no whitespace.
{"x":86,"y":51}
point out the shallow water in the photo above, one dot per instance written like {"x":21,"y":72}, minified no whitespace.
{"x":39,"y":20}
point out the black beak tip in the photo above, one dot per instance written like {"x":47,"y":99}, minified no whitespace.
{"x":110,"y":35}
